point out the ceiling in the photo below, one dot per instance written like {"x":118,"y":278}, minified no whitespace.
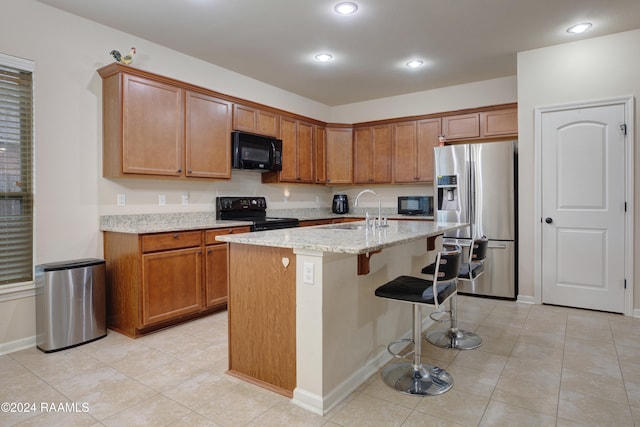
{"x":274,"y":41}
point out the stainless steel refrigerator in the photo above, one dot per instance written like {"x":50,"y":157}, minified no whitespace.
{"x":477,"y":184}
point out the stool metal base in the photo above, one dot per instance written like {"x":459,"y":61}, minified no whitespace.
{"x":420,"y":380}
{"x":454,"y":338}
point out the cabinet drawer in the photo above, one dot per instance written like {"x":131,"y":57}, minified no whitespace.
{"x":177,"y":240}
{"x":210,"y":238}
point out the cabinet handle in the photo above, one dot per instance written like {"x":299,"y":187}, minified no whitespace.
{"x":176,"y":236}
{"x":179,"y":170}
{"x":189,"y":171}
{"x":230,"y":231}
{"x":209,"y":251}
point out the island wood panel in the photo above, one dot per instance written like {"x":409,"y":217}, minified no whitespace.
{"x":262,"y":316}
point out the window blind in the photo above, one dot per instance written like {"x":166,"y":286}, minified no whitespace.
{"x":16,"y":175}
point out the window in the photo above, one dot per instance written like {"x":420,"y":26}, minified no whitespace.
{"x":16,"y":161}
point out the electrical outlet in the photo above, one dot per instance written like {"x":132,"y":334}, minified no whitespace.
{"x":162,"y":200}
{"x":307,"y":273}
{"x":185,"y":198}
{"x":121,"y":200}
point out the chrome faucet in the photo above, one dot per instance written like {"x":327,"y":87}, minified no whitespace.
{"x":376,"y":222}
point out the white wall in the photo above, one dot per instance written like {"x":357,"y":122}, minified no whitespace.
{"x":598,"y":68}
{"x":452,"y":98}
{"x":70,"y":191}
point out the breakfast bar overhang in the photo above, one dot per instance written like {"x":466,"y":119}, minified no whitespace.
{"x":303,"y":318}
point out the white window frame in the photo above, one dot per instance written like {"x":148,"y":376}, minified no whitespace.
{"x":25,"y":289}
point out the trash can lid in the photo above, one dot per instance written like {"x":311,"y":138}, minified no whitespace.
{"x":67,"y":265}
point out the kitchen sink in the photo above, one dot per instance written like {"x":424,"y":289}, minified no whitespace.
{"x":346,"y":227}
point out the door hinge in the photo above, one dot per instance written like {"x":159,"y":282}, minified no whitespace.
{"x":625,"y":206}
{"x":623,"y":128}
{"x":625,"y":283}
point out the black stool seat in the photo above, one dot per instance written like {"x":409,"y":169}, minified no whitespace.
{"x":466,"y":268}
{"x":413,"y":289}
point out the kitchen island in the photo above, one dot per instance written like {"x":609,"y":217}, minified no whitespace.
{"x":303,"y":318}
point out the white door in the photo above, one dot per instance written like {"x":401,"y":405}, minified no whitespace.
{"x":583,"y":208}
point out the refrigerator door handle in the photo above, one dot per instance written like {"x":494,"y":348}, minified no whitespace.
{"x":496,"y":246}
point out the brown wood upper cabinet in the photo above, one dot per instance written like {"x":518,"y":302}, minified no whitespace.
{"x":413,"y":150}
{"x":254,"y":120}
{"x":150,"y":123}
{"x":298,"y":157}
{"x":320,"y":149}
{"x":481,"y":125}
{"x":499,"y":122}
{"x":339,"y":155}
{"x":207,"y":133}
{"x":372,"y":155}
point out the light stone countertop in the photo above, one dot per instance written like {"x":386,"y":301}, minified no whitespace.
{"x":337,"y":238}
{"x":165,"y":222}
{"x":168,"y":222}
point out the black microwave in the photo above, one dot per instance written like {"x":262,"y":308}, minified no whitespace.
{"x":415,"y":205}
{"x":256,"y":152}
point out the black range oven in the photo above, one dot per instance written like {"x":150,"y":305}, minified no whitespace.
{"x":252,"y":209}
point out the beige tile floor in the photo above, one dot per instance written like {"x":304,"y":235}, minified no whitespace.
{"x":538,"y":366}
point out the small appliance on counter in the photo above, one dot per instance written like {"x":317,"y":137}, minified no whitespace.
{"x":340,"y":204}
{"x":415,"y":205}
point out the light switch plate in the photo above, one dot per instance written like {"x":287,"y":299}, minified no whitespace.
{"x":185,"y":199}
{"x":162,"y":200}
{"x":121,"y":200}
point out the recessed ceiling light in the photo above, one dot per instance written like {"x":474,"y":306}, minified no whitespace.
{"x":345,"y":8}
{"x":323,"y":57}
{"x":579,"y":28}
{"x":415,"y":63}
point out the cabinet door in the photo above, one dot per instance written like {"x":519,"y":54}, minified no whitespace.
{"x":362,"y":153}
{"x":381,"y":155}
{"x":253,"y":120}
{"x":216,"y":275}
{"x":171,"y":284}
{"x":499,"y":122}
{"x":339,"y":156}
{"x":152,"y":118}
{"x":208,"y":130}
{"x":464,"y":126}
{"x":288,"y":131}
{"x":405,"y":141}
{"x":320,"y":143}
{"x":428,"y":132}
{"x":305,"y":153}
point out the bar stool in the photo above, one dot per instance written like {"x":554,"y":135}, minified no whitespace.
{"x":470,"y":270}
{"x":415,"y":377}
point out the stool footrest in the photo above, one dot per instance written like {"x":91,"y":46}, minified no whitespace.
{"x":400,"y":354}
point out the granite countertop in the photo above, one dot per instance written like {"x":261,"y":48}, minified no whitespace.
{"x":338,"y":238}
{"x":167,"y":222}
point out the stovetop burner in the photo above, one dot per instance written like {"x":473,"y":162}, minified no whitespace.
{"x":252,"y":209}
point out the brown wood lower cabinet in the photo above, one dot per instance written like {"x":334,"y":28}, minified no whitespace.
{"x":160,"y":279}
{"x":171,"y":284}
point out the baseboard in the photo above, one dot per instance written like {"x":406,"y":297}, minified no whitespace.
{"x":322,"y":405}
{"x":17,"y":345}
{"x":525,"y":299}
{"x":636,"y":313}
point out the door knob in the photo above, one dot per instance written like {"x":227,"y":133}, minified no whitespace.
{"x":548,"y":220}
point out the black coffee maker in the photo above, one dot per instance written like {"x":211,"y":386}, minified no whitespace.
{"x":340,"y":204}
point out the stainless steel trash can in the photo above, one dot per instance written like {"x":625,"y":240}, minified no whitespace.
{"x":70,"y":303}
